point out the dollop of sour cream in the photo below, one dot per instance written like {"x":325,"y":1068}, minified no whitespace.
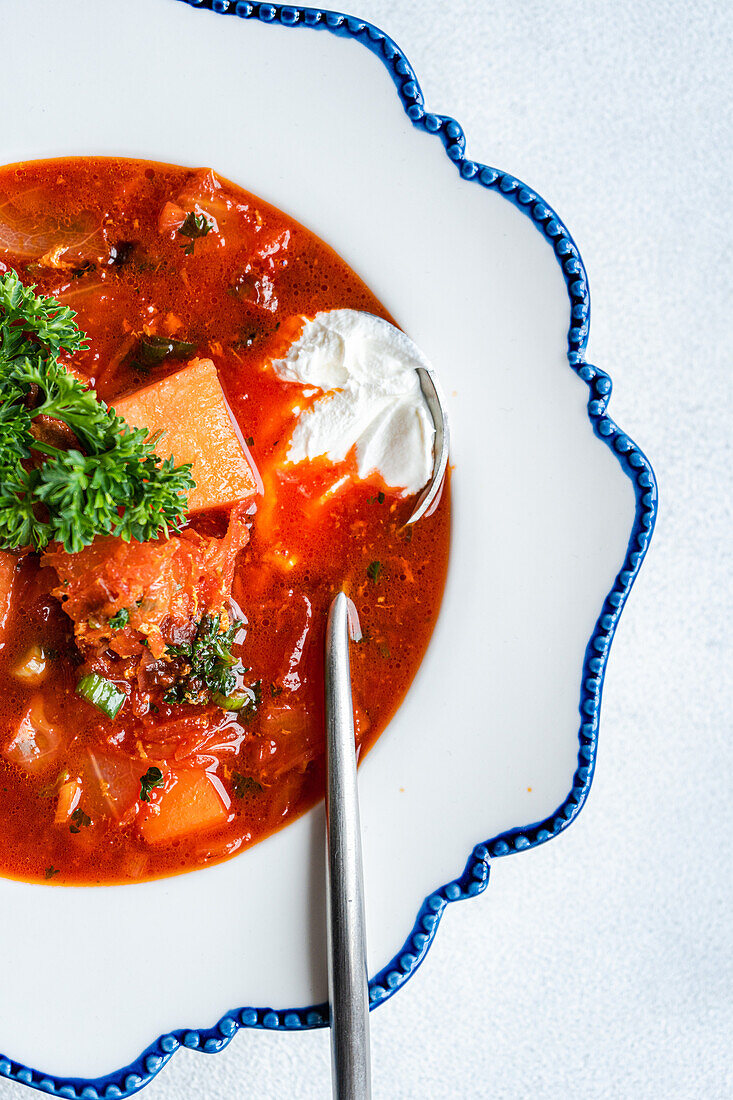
{"x":365,"y":369}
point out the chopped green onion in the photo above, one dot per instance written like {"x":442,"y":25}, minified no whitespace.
{"x":246,"y":698}
{"x":236,"y":701}
{"x":101,"y":693}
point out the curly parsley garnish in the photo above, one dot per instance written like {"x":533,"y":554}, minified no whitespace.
{"x":112,"y":483}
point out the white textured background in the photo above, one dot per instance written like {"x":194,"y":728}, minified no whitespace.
{"x":599,"y":965}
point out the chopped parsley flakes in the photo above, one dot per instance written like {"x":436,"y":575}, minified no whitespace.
{"x":373,"y":570}
{"x":153,"y":778}
{"x":195,"y":226}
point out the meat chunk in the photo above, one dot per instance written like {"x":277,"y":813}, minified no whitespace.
{"x":132,"y":596}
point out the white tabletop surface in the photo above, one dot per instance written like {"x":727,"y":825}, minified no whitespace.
{"x":599,"y":965}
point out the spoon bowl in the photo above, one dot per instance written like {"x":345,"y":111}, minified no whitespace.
{"x":433,"y":395}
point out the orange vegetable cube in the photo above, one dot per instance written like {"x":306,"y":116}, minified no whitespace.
{"x":190,"y":407}
{"x":195,"y":801}
{"x":68,"y":800}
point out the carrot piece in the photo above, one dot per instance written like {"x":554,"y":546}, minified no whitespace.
{"x":68,"y":800}
{"x":189,"y":406}
{"x":196,"y":801}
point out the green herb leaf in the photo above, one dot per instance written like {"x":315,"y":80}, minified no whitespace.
{"x":120,"y":618}
{"x":153,"y":778}
{"x":212,"y":671}
{"x":195,"y":226}
{"x":152,"y":350}
{"x":243,"y":785}
{"x":373,"y":570}
{"x":101,"y":693}
{"x":79,"y":820}
{"x":50,"y":872}
{"x":113,"y":482}
{"x":31,"y":322}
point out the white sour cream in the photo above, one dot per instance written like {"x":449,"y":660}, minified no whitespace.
{"x":372,"y":400}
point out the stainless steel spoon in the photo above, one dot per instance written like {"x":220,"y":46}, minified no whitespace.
{"x":347,"y":966}
{"x":432,"y":393}
{"x":348,"y":993}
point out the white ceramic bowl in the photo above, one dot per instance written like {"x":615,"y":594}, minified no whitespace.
{"x":552,"y":510}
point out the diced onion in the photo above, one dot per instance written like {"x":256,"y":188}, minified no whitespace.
{"x":32,"y":668}
{"x":36,"y":741}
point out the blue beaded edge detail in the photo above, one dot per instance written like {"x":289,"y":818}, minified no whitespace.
{"x":473,"y":880}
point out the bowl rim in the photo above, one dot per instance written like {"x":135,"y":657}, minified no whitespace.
{"x":475,"y":875}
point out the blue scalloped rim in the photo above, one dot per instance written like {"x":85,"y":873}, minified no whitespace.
{"x":634,"y":463}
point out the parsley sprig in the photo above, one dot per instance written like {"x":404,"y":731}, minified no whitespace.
{"x":112,"y":483}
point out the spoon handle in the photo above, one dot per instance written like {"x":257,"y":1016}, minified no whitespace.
{"x":347,"y":973}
